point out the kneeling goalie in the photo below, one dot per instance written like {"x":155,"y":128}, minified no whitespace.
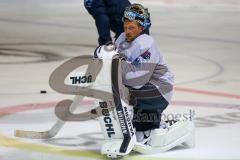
{"x":150,"y":84}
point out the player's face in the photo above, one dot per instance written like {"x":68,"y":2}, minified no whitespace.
{"x":132,"y":30}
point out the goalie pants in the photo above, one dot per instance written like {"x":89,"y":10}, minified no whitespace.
{"x":147,"y":111}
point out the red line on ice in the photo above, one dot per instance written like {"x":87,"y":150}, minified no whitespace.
{"x":34,"y":106}
{"x":209,"y":93}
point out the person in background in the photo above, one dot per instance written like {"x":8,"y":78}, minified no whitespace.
{"x":108,"y":17}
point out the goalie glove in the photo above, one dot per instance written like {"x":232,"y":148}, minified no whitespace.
{"x":103,"y":49}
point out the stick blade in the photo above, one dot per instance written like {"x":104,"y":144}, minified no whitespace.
{"x":33,"y":134}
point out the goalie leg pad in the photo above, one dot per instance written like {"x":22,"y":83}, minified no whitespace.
{"x":122,"y":141}
{"x":111,"y":148}
{"x":122,"y":138}
{"x":181,"y":132}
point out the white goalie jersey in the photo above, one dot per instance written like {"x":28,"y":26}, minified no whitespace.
{"x":144,"y":63}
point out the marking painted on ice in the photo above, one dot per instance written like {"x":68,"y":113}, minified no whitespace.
{"x":18,"y":144}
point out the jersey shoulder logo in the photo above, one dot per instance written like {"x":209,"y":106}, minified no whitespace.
{"x":146,"y":55}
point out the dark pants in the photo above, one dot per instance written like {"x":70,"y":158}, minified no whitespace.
{"x":147,"y":111}
{"x":108,"y":16}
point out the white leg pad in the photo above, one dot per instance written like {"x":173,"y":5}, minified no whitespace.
{"x":181,"y":132}
{"x":111,"y":148}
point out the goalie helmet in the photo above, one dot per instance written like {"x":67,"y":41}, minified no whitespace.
{"x":138,"y":13}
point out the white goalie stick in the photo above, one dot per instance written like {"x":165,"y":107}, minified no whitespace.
{"x":55,"y":128}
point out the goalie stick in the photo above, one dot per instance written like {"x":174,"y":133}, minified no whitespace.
{"x":51,"y":132}
{"x":59,"y":124}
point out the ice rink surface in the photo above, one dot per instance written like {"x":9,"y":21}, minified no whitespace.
{"x":200,"y":40}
